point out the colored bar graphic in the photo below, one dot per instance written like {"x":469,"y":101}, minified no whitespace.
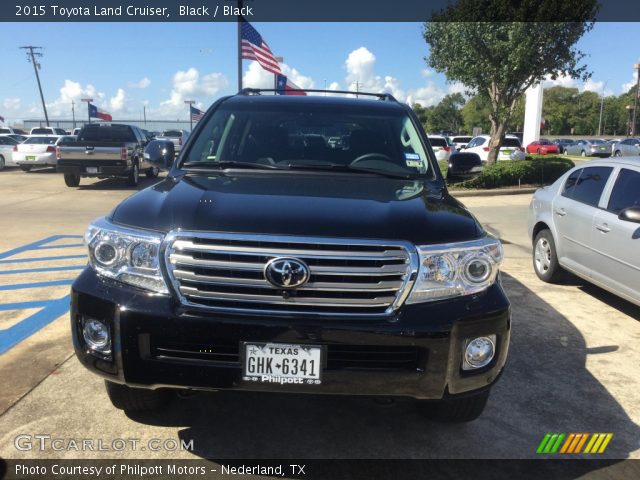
{"x":573,"y":443}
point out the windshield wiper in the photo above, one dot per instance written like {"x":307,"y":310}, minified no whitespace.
{"x":347,"y":168}
{"x":229,"y":164}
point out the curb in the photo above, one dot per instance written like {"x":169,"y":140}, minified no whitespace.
{"x":494,"y":192}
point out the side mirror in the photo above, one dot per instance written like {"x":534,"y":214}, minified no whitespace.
{"x":463,"y":166}
{"x":631,"y":214}
{"x":160,"y":153}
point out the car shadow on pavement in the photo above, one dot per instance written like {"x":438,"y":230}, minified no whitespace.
{"x":546,"y":387}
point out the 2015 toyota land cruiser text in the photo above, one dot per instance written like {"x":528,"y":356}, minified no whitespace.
{"x":273,"y":259}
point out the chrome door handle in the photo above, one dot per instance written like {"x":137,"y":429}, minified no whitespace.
{"x":560,"y":211}
{"x":603,"y":227}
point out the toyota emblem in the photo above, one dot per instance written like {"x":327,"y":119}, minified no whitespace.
{"x":286,"y":272}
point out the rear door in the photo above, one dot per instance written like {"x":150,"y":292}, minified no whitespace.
{"x":573,"y":213}
{"x":616,"y":243}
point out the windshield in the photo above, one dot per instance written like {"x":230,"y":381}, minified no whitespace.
{"x":286,"y":136}
{"x":511,"y":142}
{"x":41,"y":140}
{"x":107,"y":133}
{"x":172,"y":133}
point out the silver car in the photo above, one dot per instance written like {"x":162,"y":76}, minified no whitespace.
{"x":626,"y":147}
{"x":588,"y":222}
{"x":588,"y":148}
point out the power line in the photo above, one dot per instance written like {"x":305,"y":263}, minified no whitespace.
{"x":33,"y":53}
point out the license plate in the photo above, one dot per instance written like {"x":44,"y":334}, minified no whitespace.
{"x":31,"y":158}
{"x":603,"y":148}
{"x":92,"y":169}
{"x":282,"y":363}
{"x":507,"y":152}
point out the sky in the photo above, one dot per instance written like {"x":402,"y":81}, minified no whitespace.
{"x":127,"y":66}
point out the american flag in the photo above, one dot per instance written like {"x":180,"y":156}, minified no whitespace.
{"x":196,"y":114}
{"x":255,"y":48}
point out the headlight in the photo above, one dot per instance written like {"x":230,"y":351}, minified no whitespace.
{"x":456,"y":269}
{"x":127,"y":255}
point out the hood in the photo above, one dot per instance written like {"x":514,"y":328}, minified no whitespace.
{"x":302,"y":204}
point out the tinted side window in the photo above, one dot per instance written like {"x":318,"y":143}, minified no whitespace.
{"x":626,"y":191}
{"x":589,"y":185}
{"x":570,"y":184}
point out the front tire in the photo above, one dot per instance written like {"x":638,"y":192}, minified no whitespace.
{"x":457,"y":410}
{"x":583,"y":153}
{"x":134,"y":176}
{"x":71,"y":179}
{"x":545,"y":258}
{"x":2,"y":164}
{"x":135,"y":399}
{"x":617,"y":154}
{"x":25,"y":168}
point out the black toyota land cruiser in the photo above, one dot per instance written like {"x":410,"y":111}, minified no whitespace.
{"x":300,"y":244}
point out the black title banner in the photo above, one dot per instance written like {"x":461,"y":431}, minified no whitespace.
{"x":270,"y":11}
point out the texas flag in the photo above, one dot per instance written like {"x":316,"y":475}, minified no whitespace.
{"x":285,"y":87}
{"x":95,"y":112}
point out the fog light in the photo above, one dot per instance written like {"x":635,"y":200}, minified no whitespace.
{"x":479,"y":352}
{"x":96,"y":335}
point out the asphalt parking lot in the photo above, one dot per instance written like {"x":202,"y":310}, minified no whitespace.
{"x":572,"y":366}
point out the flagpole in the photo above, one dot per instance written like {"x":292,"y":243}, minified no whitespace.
{"x":239,"y":46}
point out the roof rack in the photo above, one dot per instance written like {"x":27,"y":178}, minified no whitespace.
{"x":258,"y":91}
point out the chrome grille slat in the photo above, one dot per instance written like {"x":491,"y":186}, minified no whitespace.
{"x":350,"y":277}
{"x":261,"y":283}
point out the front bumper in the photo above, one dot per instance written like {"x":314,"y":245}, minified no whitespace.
{"x":105,"y":168}
{"x":431,"y":334}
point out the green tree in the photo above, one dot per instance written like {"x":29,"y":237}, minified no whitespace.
{"x":499,"y":59}
{"x":447,"y":114}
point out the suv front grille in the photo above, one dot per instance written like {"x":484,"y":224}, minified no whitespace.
{"x":225,"y":271}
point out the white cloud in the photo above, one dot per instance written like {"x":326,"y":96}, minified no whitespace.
{"x":70,"y":92}
{"x":144,"y":83}
{"x":257,"y":77}
{"x":189,"y":85}
{"x":456,"y":87}
{"x":426,"y":72}
{"x":118,"y":102}
{"x":628,"y":85}
{"x":11,"y":103}
{"x":560,"y":81}
{"x":333,"y":86}
{"x":593,"y":86}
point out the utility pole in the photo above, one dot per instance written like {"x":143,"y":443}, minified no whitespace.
{"x":88,"y":100}
{"x":73,"y":113}
{"x":239,"y":21}
{"x":190,"y":102}
{"x":635,"y":100}
{"x":357,"y":84}
{"x":144,"y":111}
{"x":601,"y":108}
{"x":31,"y":56}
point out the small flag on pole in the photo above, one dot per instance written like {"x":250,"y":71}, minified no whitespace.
{"x":196,"y":114}
{"x":1,"y":119}
{"x":284,"y":86}
{"x":255,"y":48}
{"x":95,"y":112}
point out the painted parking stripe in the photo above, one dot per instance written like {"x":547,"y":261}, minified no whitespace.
{"x":35,"y":245}
{"x":48,"y":310}
{"x":20,"y":286}
{"x":27,"y":327}
{"x":41,"y":259}
{"x":43,"y":269}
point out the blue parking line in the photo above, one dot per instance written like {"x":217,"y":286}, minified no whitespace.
{"x":35,"y":245}
{"x":27,"y":327}
{"x":43,"y":269}
{"x":20,"y":286}
{"x":42,"y":259}
{"x":47,"y":247}
{"x":23,"y":305}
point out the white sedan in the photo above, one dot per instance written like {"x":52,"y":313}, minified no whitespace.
{"x":38,"y":151}
{"x":511,"y":148}
{"x":6,"y":151}
{"x":441,"y":147}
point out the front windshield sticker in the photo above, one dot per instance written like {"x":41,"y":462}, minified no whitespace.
{"x":413,"y":160}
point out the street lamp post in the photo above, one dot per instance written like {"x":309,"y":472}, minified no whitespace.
{"x":601,"y":109}
{"x":629,"y":124}
{"x":88,"y":100}
{"x":635,"y":100}
{"x":190,"y":102}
